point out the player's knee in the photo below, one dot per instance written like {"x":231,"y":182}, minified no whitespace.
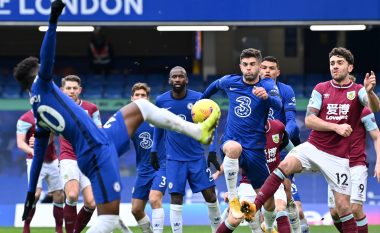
{"x":280,"y":205}
{"x":72,"y":195}
{"x":357,"y":211}
{"x":155,"y":201}
{"x":58,"y":196}
{"x":176,"y":199}
{"x":209,"y":195}
{"x":232,"y":149}
{"x":290,"y":166}
{"x":90,"y":203}
{"x":137,"y":212}
{"x":334,"y":214}
{"x":343,"y":208}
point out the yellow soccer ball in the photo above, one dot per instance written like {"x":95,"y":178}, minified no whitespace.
{"x":202,"y":109}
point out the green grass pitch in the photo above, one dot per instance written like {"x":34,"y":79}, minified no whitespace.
{"x":191,"y":229}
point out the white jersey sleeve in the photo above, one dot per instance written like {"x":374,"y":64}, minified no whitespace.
{"x":315,"y":100}
{"x":369,"y":122}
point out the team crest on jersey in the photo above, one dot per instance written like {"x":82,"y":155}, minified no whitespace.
{"x":276,"y":138}
{"x":351,"y":95}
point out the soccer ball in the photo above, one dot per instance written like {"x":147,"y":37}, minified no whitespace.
{"x":202,"y":109}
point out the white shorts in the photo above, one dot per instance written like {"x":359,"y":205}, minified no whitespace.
{"x":280,"y":194}
{"x":359,"y":176}
{"x":70,"y":171}
{"x":49,"y":173}
{"x":246,"y":192}
{"x":336,"y":170}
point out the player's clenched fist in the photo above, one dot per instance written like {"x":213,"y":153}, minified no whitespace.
{"x":344,"y":130}
{"x":260,"y":92}
{"x":56,"y":10}
{"x":370,"y":81}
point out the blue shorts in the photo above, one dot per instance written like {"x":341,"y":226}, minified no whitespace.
{"x":195,"y":172}
{"x":118,"y":133}
{"x":150,"y":181}
{"x":294,"y":189}
{"x":101,"y":166}
{"x":254,"y":163}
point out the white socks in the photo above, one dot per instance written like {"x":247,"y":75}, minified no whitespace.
{"x":158,"y":216}
{"x":294,"y":218}
{"x":176,"y":218}
{"x":145,"y":225}
{"x":231,"y":170}
{"x":105,"y":224}
{"x":304,"y":225}
{"x":269,"y":217}
{"x":162,"y":118}
{"x":255,"y":224}
{"x":214,"y":215}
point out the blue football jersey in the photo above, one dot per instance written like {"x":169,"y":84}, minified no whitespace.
{"x":287,"y":114}
{"x":55,"y":112}
{"x":143,"y":143}
{"x":178,"y":146}
{"x":247,"y":114}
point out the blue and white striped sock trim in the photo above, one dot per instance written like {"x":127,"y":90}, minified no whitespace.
{"x":362,"y":222}
{"x":229,"y":226}
{"x":346,"y":218}
{"x":336,"y":220}
{"x":60,"y":205}
{"x":279,"y":173}
{"x":281,"y":214}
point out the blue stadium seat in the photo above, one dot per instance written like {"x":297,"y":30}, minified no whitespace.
{"x":212,"y":78}
{"x":93,"y":92}
{"x":116,"y":80}
{"x":95,"y":80}
{"x":296,"y":81}
{"x":196,"y":83}
{"x":311,"y":80}
{"x":314,"y":79}
{"x":134,"y":78}
{"x":113,"y":92}
{"x":157,"y":81}
{"x":11,"y":91}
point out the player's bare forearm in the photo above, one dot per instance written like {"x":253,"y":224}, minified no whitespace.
{"x":315,"y":123}
{"x":22,"y":145}
{"x":373,"y":101}
{"x":375,"y":135}
{"x":312,"y":121}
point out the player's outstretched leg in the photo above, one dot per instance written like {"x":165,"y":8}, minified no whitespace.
{"x":162,"y":118}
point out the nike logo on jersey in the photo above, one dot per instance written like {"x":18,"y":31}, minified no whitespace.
{"x":233,"y":88}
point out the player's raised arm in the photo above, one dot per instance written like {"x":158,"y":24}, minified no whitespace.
{"x":211,"y":90}
{"x":157,"y":138}
{"x":47,"y":52}
{"x":373,"y":99}
{"x":290,"y":113}
{"x":41,"y":143}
